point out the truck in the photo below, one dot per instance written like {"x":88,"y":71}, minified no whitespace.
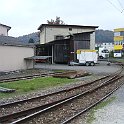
{"x":87,"y":57}
{"x":103,"y":53}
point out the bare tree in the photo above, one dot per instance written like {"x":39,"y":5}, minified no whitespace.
{"x":56,"y":22}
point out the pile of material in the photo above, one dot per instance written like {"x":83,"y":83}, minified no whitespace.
{"x":6,"y":90}
{"x":72,"y":74}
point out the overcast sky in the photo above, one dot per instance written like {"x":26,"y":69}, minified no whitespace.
{"x":25,"y":16}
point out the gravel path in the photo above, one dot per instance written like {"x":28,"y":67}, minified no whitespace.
{"x":101,"y":68}
{"x":114,"y":112}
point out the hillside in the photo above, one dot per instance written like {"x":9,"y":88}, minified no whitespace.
{"x":104,"y":36}
{"x":27,"y":38}
{"x":101,"y":36}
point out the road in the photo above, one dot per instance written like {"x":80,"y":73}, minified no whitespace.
{"x":101,"y":68}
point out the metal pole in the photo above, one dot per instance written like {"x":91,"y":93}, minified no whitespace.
{"x":52,"y":55}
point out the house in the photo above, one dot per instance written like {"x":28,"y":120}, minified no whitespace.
{"x":64,"y":50}
{"x":108,"y":46}
{"x":50,"y":32}
{"x":4,"y":29}
{"x":13,"y":54}
{"x":62,"y":41}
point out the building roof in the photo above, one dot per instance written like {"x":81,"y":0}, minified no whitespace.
{"x":74,"y":26}
{"x":118,"y":29}
{"x":8,"y":27}
{"x":11,"y":41}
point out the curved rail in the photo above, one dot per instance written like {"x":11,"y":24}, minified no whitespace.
{"x":50,"y":94}
{"x":58,"y":102}
{"x":22,"y":113}
{"x":88,"y":108}
{"x":22,"y":120}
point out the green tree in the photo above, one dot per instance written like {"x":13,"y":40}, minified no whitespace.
{"x":31,"y":40}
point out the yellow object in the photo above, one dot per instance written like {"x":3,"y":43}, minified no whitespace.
{"x":118,"y":29}
{"x":118,"y":38}
{"x":84,"y":50}
{"x":118,"y":47}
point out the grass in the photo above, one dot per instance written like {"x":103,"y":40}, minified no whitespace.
{"x":118,"y":59}
{"x":91,"y":116}
{"x":24,"y":86}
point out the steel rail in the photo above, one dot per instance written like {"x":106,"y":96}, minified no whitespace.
{"x":50,"y":94}
{"x":90,"y":107}
{"x":65,"y":101}
{"x":21,"y":113}
{"x":23,"y":77}
{"x":6,"y":118}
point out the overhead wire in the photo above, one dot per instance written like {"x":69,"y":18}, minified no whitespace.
{"x":121,"y":6}
{"x":114,"y":6}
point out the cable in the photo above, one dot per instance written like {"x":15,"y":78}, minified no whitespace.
{"x":114,"y":6}
{"x":120,"y":4}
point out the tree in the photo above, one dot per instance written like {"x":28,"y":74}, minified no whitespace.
{"x":31,"y":40}
{"x":56,"y":22}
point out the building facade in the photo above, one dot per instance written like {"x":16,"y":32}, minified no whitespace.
{"x":108,"y":46}
{"x":118,"y":42}
{"x":65,"y":50}
{"x":4,"y":29}
{"x":50,"y":33}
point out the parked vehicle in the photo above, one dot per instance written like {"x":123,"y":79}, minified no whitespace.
{"x":103,"y":53}
{"x":87,"y":57}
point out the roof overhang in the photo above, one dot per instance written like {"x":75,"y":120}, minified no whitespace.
{"x":37,"y":57}
{"x":73,"y":26}
{"x":8,"y":27}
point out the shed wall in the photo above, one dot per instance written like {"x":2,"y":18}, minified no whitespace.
{"x":3,"y":31}
{"x":12,"y":58}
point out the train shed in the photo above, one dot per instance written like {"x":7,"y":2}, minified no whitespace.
{"x":64,"y":50}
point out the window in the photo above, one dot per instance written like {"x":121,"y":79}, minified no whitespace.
{"x":70,"y":29}
{"x":59,"y":37}
{"x":116,"y":33}
{"x":122,"y":33}
{"x":105,"y":51}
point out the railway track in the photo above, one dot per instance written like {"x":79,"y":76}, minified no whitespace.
{"x":6,"y":90}
{"x":25,"y":77}
{"x":52,"y":102}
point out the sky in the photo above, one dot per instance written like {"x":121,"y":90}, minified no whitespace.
{"x":25,"y":16}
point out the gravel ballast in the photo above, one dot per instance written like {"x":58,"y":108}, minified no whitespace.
{"x":113,"y":113}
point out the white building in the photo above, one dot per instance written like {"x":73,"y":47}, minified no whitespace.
{"x":52,"y":32}
{"x":108,"y":46}
{"x":4,"y":29}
